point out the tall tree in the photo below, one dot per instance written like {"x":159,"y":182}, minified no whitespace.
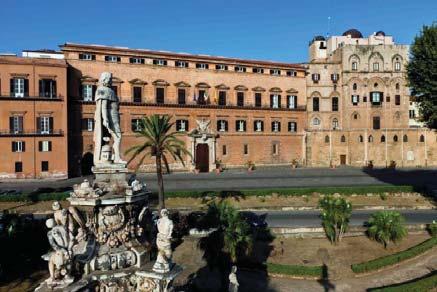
{"x":422,"y":74}
{"x":158,"y":141}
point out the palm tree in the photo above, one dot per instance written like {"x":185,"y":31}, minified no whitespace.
{"x":158,"y":141}
{"x":386,"y":226}
{"x":335,"y":215}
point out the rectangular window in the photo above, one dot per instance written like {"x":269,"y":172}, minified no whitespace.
{"x":291,"y":73}
{"x":276,"y":126}
{"x":258,"y":126}
{"x":335,"y":104}
{"x":276,"y":72}
{"x":240,"y":125}
{"x":224,"y":150}
{"x":160,"y":96}
{"x":375,"y":66}
{"x":315,"y":77}
{"x":376,"y":97}
{"x":135,"y":125}
{"x":202,"y":66}
{"x":47,"y":88}
{"x":18,"y":166}
{"x":182,"y":125}
{"x":112,"y":59}
{"x":181,"y":95}
{"x":87,"y":56}
{"x":16,"y":124}
{"x":18,"y":146}
{"x":334,"y":77}
{"x":258,"y":70}
{"x":354,"y":66}
{"x":87,"y":92}
{"x":160,"y":62}
{"x":275,"y":148}
{"x":245,"y":149}
{"x":221,"y":67}
{"x":45,"y":146}
{"x":376,"y":123}
{"x":412,"y":114}
{"x":240,"y":69}
{"x":258,"y":99}
{"x":138,"y":93}
{"x":222,"y":125}
{"x":316,"y":104}
{"x":275,"y":101}
{"x":88,"y":124}
{"x":292,"y":127}
{"x":292,"y":101}
{"x":202,"y":97}
{"x":240,"y":98}
{"x":181,"y":64}
{"x":397,"y":66}
{"x":387,"y":98}
{"x":355,"y":99}
{"x":45,"y":125}
{"x":397,"y":99}
{"x":136,"y":60}
{"x":222,"y":98}
{"x":44,"y":166}
{"x":19,"y":87}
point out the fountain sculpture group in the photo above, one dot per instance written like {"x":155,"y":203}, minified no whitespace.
{"x":105,"y":239}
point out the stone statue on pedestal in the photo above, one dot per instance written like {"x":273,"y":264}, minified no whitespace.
{"x":163,"y":262}
{"x":106,"y":116}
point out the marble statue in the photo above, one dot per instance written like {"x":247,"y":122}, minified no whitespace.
{"x":106,"y":116}
{"x":233,"y":281}
{"x":163,"y":262}
{"x":203,"y":125}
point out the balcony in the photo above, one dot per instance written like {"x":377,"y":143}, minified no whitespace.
{"x":31,"y":133}
{"x":31,"y":98}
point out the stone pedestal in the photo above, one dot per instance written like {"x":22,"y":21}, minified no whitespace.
{"x":110,"y":173}
{"x":157,"y":282}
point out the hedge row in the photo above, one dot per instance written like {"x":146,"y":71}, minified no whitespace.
{"x":394,"y":258}
{"x":295,"y":270}
{"x":423,"y":284}
{"x":359,"y":190}
{"x":32,"y":197}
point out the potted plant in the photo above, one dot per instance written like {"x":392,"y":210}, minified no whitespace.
{"x":294,"y":163}
{"x":250,"y":165}
{"x":370,"y":164}
{"x":392,"y":164}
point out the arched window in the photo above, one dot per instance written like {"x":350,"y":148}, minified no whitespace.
{"x":355,"y":116}
{"x":343,"y":139}
{"x":382,"y":139}
{"x":395,"y":138}
{"x":316,"y":122}
{"x":326,"y":139}
{"x":360,"y":139}
{"x":335,"y":123}
{"x":405,"y":139}
{"x":355,"y":86}
{"x":397,"y":86}
{"x":422,"y":138}
{"x":316,"y":104}
{"x":354,"y":66}
{"x":370,"y":139}
{"x":335,"y":104}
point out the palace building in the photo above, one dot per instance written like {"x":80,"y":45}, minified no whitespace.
{"x":349,"y":105}
{"x":255,"y":109}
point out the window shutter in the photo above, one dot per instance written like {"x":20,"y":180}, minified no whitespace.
{"x":26,"y":87}
{"x":41,"y":88}
{"x":118,"y":59}
{"x":94,"y":91}
{"x":39,"y":146}
{"x":382,"y":96}
{"x":279,"y":126}
{"x":131,"y":60}
{"x":51,"y":124}
{"x":11,"y":124}
{"x":226,"y":126}
{"x":186,"y":125}
{"x":93,"y":57}
{"x":54,"y":93}
{"x":20,"y":123}
{"x":38,"y":124}
{"x":279,"y":100}
{"x":288,"y":101}
{"x":14,"y":146}
{"x":271,"y":100}
{"x":50,"y":145}
{"x":23,"y":146}
{"x":12,"y":82}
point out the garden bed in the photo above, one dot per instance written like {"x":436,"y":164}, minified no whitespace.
{"x":389,"y":260}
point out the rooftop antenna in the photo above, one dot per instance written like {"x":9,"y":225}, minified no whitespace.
{"x":329,"y":27}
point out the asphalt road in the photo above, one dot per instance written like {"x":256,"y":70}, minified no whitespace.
{"x":311,"y":218}
{"x":277,"y":177}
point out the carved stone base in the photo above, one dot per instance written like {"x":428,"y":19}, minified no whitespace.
{"x":157,"y":282}
{"x":110,"y":173}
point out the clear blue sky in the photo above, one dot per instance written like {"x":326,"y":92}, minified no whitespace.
{"x":255,"y":29}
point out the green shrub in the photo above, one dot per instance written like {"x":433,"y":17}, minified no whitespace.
{"x":335,"y":216}
{"x":295,"y":270}
{"x":432,"y":228}
{"x":394,"y":258}
{"x":423,"y":284}
{"x":386,"y":227}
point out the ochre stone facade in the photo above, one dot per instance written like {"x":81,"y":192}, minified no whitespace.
{"x":33,"y":118}
{"x":270,"y":145}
